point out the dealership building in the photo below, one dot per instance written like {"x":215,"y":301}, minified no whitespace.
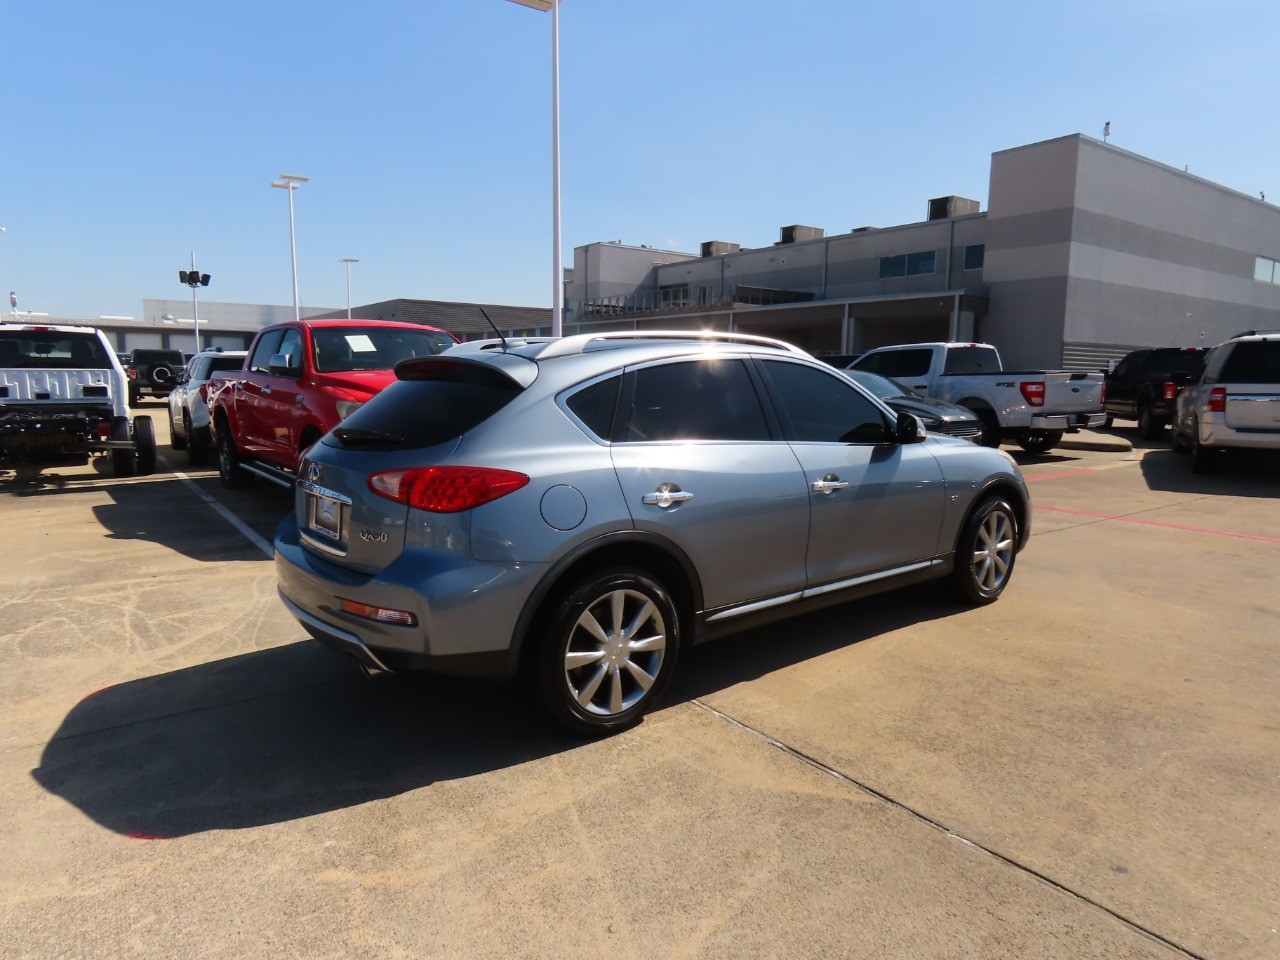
{"x":1085,"y":252}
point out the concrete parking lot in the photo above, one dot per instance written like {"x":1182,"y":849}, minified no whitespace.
{"x":1088,"y":768}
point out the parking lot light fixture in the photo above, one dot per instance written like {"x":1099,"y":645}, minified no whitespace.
{"x":193,"y":278}
{"x":291,"y":182}
{"x":348,"y":261}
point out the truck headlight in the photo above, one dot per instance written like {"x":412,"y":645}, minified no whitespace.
{"x":347,"y":407}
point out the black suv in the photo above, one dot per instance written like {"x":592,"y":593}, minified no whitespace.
{"x":153,"y":372}
{"x":1144,"y":385}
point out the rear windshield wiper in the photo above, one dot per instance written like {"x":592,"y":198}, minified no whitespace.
{"x":354,"y":435}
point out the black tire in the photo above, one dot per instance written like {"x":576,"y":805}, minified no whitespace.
{"x":133,"y":396}
{"x":1177,"y":442}
{"x":197,"y":446}
{"x":990,"y":428}
{"x":122,"y":460}
{"x":144,"y":442}
{"x":588,"y":681}
{"x":233,"y":477}
{"x":1149,"y":425}
{"x":1040,"y":441}
{"x":175,"y":441}
{"x":986,"y":552}
{"x":1107,"y":423}
{"x":1203,"y":459}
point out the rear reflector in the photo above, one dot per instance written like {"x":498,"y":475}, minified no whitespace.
{"x":446,"y":489}
{"x":1033,"y":392}
{"x":1218,"y":400}
{"x":401,"y":618}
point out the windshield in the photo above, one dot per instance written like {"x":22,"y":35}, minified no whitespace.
{"x":339,"y":349}
{"x":52,"y":349}
{"x":882,"y":387}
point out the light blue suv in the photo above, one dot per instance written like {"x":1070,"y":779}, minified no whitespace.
{"x":578,"y":511}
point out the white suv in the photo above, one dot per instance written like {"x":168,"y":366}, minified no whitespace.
{"x":189,"y":402}
{"x":1236,"y":404}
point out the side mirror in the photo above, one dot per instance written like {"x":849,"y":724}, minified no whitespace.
{"x":909,"y":429}
{"x":281,"y":365}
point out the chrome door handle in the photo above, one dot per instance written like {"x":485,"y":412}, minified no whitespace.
{"x":666,"y":495}
{"x":266,"y":389}
{"x":829,"y":484}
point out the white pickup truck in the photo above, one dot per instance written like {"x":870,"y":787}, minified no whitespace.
{"x":1032,"y":408}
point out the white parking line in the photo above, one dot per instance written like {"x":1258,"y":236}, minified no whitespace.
{"x":222,"y":511}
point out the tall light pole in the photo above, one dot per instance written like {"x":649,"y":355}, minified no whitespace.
{"x":291,"y":182}
{"x":348,"y":261}
{"x":194,"y":278}
{"x":557,"y":274}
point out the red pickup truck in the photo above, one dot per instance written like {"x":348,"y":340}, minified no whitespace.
{"x":298,"y":381}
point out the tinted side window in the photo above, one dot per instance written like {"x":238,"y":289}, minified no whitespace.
{"x":594,"y":406}
{"x":872,"y":363}
{"x":1253,"y":361}
{"x":822,"y":408}
{"x":291,"y":346}
{"x":906,"y":363}
{"x":695,"y":400}
{"x":268,"y":345}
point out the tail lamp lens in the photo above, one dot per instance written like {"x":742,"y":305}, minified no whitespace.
{"x":1170,"y":388}
{"x":446,"y":489}
{"x":133,"y":374}
{"x":401,"y":618}
{"x":1033,"y":393}
{"x":204,"y":392}
{"x":104,"y":430}
{"x":1218,"y":400}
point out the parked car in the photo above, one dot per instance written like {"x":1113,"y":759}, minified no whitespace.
{"x":189,"y":402}
{"x":63,"y":398}
{"x":579,"y":511}
{"x":937,"y":416}
{"x":1236,"y":403}
{"x":1032,"y":408}
{"x":301,"y":379}
{"x":152,"y":372}
{"x":1145,"y":383}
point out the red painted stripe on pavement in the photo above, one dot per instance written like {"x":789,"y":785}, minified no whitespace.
{"x":139,"y":835}
{"x":1159,"y":523}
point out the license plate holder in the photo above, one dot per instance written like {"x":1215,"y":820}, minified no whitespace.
{"x":326,"y":516}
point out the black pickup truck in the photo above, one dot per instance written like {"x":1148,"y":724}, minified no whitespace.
{"x":1145,"y":383}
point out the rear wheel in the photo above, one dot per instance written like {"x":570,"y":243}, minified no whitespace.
{"x":229,"y":469}
{"x":175,"y":441}
{"x":122,"y":459}
{"x":1040,"y":441}
{"x":1203,"y":459}
{"x":144,"y":442}
{"x":608,"y":651}
{"x":1149,"y":425}
{"x":986,"y":551}
{"x":197,"y":446}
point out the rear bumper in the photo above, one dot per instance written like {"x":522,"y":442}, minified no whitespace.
{"x":1067,"y":421}
{"x":1215,"y":433}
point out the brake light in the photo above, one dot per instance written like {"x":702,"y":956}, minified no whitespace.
{"x":1102,"y":392}
{"x":133,"y":374}
{"x":1218,"y":400}
{"x":104,"y":429}
{"x":446,"y":489}
{"x":204,"y":392}
{"x":1033,"y":393}
{"x":1170,"y":389}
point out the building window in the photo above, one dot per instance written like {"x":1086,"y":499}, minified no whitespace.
{"x":974,"y":256}
{"x":675,"y":295}
{"x":908,"y":264}
{"x":1267,"y":271}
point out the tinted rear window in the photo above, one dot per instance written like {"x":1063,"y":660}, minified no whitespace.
{"x":427,"y":410}
{"x":972,"y":360}
{"x":53,"y":350}
{"x":1162,"y":363}
{"x":1253,"y":361}
{"x":226,"y":363}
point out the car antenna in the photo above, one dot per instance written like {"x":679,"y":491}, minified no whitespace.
{"x":494,"y":325}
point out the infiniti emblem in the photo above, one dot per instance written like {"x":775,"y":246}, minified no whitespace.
{"x":313,"y":472}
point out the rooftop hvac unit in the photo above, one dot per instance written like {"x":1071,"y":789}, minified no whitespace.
{"x":942,"y":208}
{"x":795,"y":233}
{"x":718,"y":248}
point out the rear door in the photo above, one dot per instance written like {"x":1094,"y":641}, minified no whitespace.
{"x":1251,"y":375}
{"x":253,"y":396}
{"x":700,"y":466}
{"x":874,"y":505}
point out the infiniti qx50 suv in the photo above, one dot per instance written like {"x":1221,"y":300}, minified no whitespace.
{"x":578,"y":511}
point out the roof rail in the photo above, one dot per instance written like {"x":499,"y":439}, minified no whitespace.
{"x":567,"y":346}
{"x":1253,"y":333}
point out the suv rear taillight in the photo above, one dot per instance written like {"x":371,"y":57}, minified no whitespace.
{"x":1170,"y":389}
{"x":133,"y":374}
{"x":204,"y":392}
{"x":1033,"y":392}
{"x":446,"y":489}
{"x":1218,"y":400}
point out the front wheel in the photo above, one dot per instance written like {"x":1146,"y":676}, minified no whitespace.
{"x":986,"y":552}
{"x":1149,"y":425}
{"x":608,"y":651}
{"x":1040,"y":441}
{"x":229,"y":470}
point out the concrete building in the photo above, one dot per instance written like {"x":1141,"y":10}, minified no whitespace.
{"x":1086,"y":251}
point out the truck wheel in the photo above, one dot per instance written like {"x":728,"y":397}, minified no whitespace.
{"x":985,"y":552}
{"x":122,"y":460}
{"x":1203,"y":459}
{"x":1040,"y":441}
{"x":233,"y":477}
{"x":608,"y":651}
{"x":175,"y":441}
{"x":197,"y":447}
{"x":133,"y":395}
{"x":990,"y":428}
{"x":144,"y":441}
{"x":1149,"y":425}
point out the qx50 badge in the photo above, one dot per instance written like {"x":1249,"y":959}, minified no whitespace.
{"x":371,"y":536}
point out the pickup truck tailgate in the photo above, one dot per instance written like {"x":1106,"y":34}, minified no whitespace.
{"x":1070,"y":392}
{"x":71,"y":386}
{"x":1253,"y":407}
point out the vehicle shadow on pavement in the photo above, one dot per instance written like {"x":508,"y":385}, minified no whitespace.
{"x":273,"y":736}
{"x":1234,"y":474}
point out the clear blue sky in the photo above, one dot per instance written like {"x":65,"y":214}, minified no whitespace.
{"x":136,"y":132}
